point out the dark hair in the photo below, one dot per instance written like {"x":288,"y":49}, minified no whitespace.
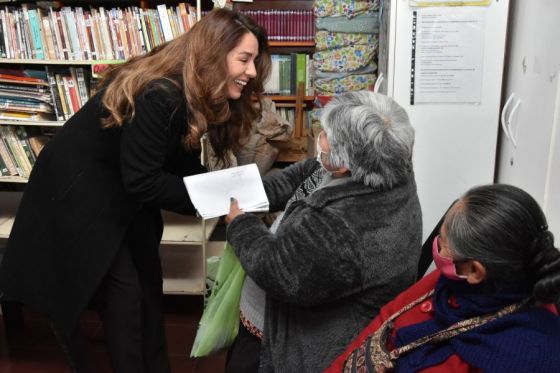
{"x":196,"y":62}
{"x":505,"y":229}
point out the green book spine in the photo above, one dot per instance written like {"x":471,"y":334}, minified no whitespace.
{"x":301,"y":68}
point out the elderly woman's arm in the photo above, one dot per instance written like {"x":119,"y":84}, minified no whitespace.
{"x":280,"y":186}
{"x":313,"y":257}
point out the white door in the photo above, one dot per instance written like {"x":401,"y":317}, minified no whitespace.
{"x":455,"y":145}
{"x":531,"y":160}
{"x":552,"y":189}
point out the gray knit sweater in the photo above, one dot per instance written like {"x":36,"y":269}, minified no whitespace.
{"x":337,"y":257}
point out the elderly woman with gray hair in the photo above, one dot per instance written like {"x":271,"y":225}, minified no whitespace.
{"x":348,"y":241}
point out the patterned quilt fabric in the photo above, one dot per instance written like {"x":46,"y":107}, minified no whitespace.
{"x":347,"y":8}
{"x":344,"y":59}
{"x":353,"y":82}
{"x":331,"y":40}
{"x":367,"y":23}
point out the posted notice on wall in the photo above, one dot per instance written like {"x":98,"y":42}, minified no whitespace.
{"x":449,"y":2}
{"x":447,"y":55}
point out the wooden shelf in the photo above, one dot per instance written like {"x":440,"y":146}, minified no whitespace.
{"x":181,"y":248}
{"x":9,"y":204}
{"x":58,"y":62}
{"x":13,"y":179}
{"x":38,"y":123}
{"x":182,"y":273}
{"x":303,"y":44}
{"x":278,"y":98}
{"x":185,"y":230}
{"x":178,"y":229}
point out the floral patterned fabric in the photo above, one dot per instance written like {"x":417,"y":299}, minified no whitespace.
{"x":344,"y":59}
{"x":348,"y":8}
{"x":330,"y":40}
{"x":367,"y":23}
{"x":345,"y":84}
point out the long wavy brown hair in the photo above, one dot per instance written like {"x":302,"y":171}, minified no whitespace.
{"x":196,"y":62}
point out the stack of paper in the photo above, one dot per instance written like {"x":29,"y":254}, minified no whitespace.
{"x":210,"y":193}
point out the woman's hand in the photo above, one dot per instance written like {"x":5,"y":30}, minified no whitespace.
{"x":234,"y":211}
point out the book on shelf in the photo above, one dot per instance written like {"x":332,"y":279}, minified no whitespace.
{"x":56,"y":36}
{"x":37,"y":143}
{"x":165,"y":23}
{"x":64,"y":37}
{"x":15,"y":87}
{"x":3,"y":168}
{"x":71,"y":30}
{"x":210,"y":192}
{"x":82,"y":33}
{"x":25,"y":116}
{"x":301,"y":69}
{"x":35,"y":29}
{"x":9,"y":76}
{"x":9,"y":93}
{"x":23,"y":138}
{"x":2,"y":48}
{"x":14,"y":148}
{"x":80,"y":77}
{"x":56,"y":100}
{"x":62,"y":94}
{"x":285,"y":24}
{"x":88,"y":30}
{"x":71,"y":94}
{"x":48,"y":37}
{"x":7,"y":157}
{"x":74,"y":33}
{"x":11,"y":104}
{"x":105,"y":35}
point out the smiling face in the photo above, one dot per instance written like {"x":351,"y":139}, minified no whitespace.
{"x":241,"y":65}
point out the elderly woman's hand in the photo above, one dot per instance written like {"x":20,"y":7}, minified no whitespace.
{"x":234,"y":211}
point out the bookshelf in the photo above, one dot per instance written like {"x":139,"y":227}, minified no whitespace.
{"x":290,"y":25}
{"x":185,"y":243}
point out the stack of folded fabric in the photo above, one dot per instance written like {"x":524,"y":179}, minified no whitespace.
{"x":346,"y":45}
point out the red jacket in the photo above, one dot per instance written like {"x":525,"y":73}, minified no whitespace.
{"x":417,"y":314}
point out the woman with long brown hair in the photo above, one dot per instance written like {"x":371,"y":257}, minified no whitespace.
{"x":89,"y":221}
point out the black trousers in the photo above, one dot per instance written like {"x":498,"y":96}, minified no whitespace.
{"x":244,"y":354}
{"x":130,"y":301}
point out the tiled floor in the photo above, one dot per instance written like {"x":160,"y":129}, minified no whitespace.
{"x":36,"y":350}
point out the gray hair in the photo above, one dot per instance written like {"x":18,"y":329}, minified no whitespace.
{"x":371,"y":135}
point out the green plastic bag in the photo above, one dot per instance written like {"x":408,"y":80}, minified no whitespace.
{"x":212,"y":264}
{"x":219,"y":323}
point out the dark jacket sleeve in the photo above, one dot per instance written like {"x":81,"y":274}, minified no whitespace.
{"x":144,"y":143}
{"x":280,"y":186}
{"x":306,"y":262}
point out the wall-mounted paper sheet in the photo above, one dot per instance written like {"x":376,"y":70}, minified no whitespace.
{"x":447,"y":55}
{"x":449,"y":3}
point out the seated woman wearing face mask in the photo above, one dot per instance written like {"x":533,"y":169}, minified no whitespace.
{"x":485,"y":307}
{"x":348,"y":241}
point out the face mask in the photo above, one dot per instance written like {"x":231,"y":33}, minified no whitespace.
{"x":320,"y":152}
{"x":445,"y":265}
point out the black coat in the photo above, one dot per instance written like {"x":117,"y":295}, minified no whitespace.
{"x":83,"y":195}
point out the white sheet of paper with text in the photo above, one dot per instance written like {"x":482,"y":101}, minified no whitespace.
{"x":448,"y":53}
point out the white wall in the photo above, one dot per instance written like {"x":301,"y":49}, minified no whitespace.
{"x":455,"y":147}
{"x":533,"y":72}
